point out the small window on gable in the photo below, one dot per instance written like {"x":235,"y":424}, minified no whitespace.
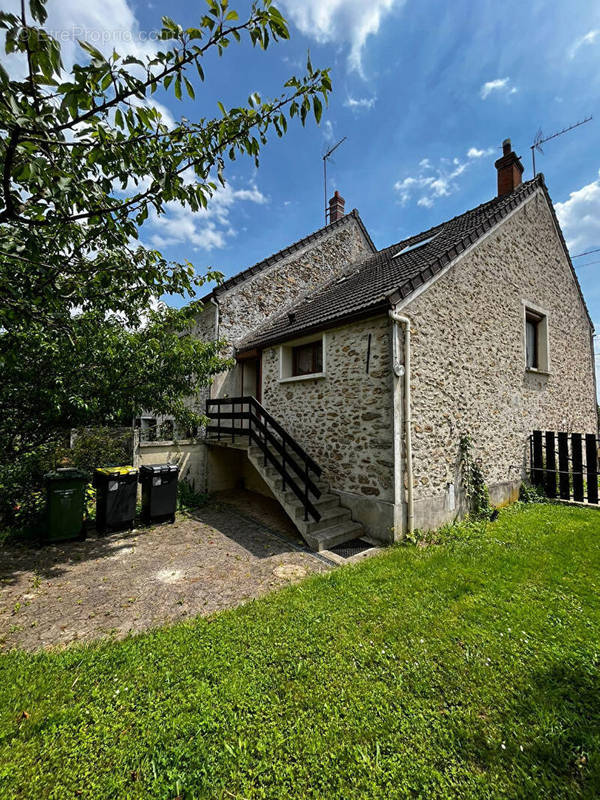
{"x":532,"y":340}
{"x":307,"y":359}
{"x":536,"y":341}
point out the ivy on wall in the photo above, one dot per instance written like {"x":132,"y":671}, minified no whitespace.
{"x":473,"y":481}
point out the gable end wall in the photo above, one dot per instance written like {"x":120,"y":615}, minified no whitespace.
{"x":246,"y":307}
{"x":468,"y":360}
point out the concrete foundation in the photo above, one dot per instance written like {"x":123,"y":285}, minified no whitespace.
{"x":432,"y":512}
{"x":376,"y":516}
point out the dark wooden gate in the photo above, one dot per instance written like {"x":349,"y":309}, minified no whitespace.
{"x":565,"y":465}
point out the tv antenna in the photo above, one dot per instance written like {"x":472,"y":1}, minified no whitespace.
{"x":325,"y":157}
{"x":540,"y":139}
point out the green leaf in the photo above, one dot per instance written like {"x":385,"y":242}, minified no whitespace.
{"x":96,"y":54}
{"x":190,"y":88}
{"x":38,"y":11}
{"x":317,"y":108}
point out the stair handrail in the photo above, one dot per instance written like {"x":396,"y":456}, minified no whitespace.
{"x":258,"y":416}
{"x":249,"y":400}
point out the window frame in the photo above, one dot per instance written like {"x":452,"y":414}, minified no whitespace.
{"x":288,"y":358}
{"x":539,"y":318}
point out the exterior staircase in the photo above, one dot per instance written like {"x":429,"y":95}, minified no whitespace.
{"x":289,"y":472}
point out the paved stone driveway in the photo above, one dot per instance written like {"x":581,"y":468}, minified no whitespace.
{"x":130,"y":581}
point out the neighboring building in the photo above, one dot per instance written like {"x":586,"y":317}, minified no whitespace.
{"x":500,"y":344}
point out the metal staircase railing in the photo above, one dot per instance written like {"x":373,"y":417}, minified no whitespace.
{"x":279,"y":449}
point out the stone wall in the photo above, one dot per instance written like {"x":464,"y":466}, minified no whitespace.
{"x":248,"y":305}
{"x":468,"y":359}
{"x":344,"y":420}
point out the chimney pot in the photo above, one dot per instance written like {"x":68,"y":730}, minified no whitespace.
{"x":510,"y":169}
{"x":336,"y":207}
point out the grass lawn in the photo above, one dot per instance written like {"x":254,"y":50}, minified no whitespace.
{"x":468,"y":669}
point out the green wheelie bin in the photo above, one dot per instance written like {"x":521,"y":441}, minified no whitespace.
{"x":65,"y":503}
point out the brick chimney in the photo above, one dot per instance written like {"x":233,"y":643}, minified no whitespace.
{"x":336,"y":207}
{"x":509,"y":169}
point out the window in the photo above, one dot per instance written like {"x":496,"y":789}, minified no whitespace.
{"x":307,"y":359}
{"x":536,"y":340}
{"x":532,"y":339}
{"x":415,"y":245}
{"x":167,"y":430}
{"x":303,"y":359}
{"x":148,"y":429}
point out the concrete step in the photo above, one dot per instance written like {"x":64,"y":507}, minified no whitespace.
{"x":329,"y":518}
{"x":322,"y":503}
{"x":272,"y":474}
{"x":329,"y":537}
{"x":335,"y":526}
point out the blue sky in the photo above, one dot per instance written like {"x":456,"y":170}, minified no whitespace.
{"x":425,"y":92}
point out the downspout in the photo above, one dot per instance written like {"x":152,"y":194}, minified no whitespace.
{"x":217,"y":322}
{"x":403,"y":371}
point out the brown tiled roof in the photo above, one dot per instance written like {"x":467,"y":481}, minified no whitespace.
{"x":292,"y":248}
{"x":386,"y":278}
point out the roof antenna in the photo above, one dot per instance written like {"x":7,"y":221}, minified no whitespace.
{"x":325,"y":157}
{"x":540,"y":139}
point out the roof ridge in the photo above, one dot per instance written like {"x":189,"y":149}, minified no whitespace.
{"x":506,"y":204}
{"x":456,"y":216}
{"x":248,"y":272}
{"x":371,"y":286}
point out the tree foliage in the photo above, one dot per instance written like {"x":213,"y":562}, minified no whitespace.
{"x":85,"y":157}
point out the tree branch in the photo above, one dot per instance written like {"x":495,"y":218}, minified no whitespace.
{"x":176,"y":67}
{"x":29,"y":63}
{"x":128,"y":205}
{"x":11,"y":148}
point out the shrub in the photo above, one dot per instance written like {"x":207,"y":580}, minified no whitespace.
{"x":22,"y":493}
{"x":474,"y":484}
{"x":188,"y":498}
{"x":531,"y":494}
{"x":99,"y":447}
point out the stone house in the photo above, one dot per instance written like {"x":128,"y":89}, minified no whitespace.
{"x":366,"y":366}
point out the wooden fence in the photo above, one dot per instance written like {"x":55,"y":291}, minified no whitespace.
{"x":565,"y":465}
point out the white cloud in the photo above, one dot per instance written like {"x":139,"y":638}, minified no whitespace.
{"x":579,"y":217}
{"x":474,"y":152}
{"x":328,"y":131}
{"x":206,"y":229}
{"x":359,"y":103}
{"x":432,"y":182}
{"x":106,"y":24}
{"x":589,"y":38}
{"x":501,"y":85}
{"x":348,"y":21}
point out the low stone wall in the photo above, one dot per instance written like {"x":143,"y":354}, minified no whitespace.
{"x":189,"y":456}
